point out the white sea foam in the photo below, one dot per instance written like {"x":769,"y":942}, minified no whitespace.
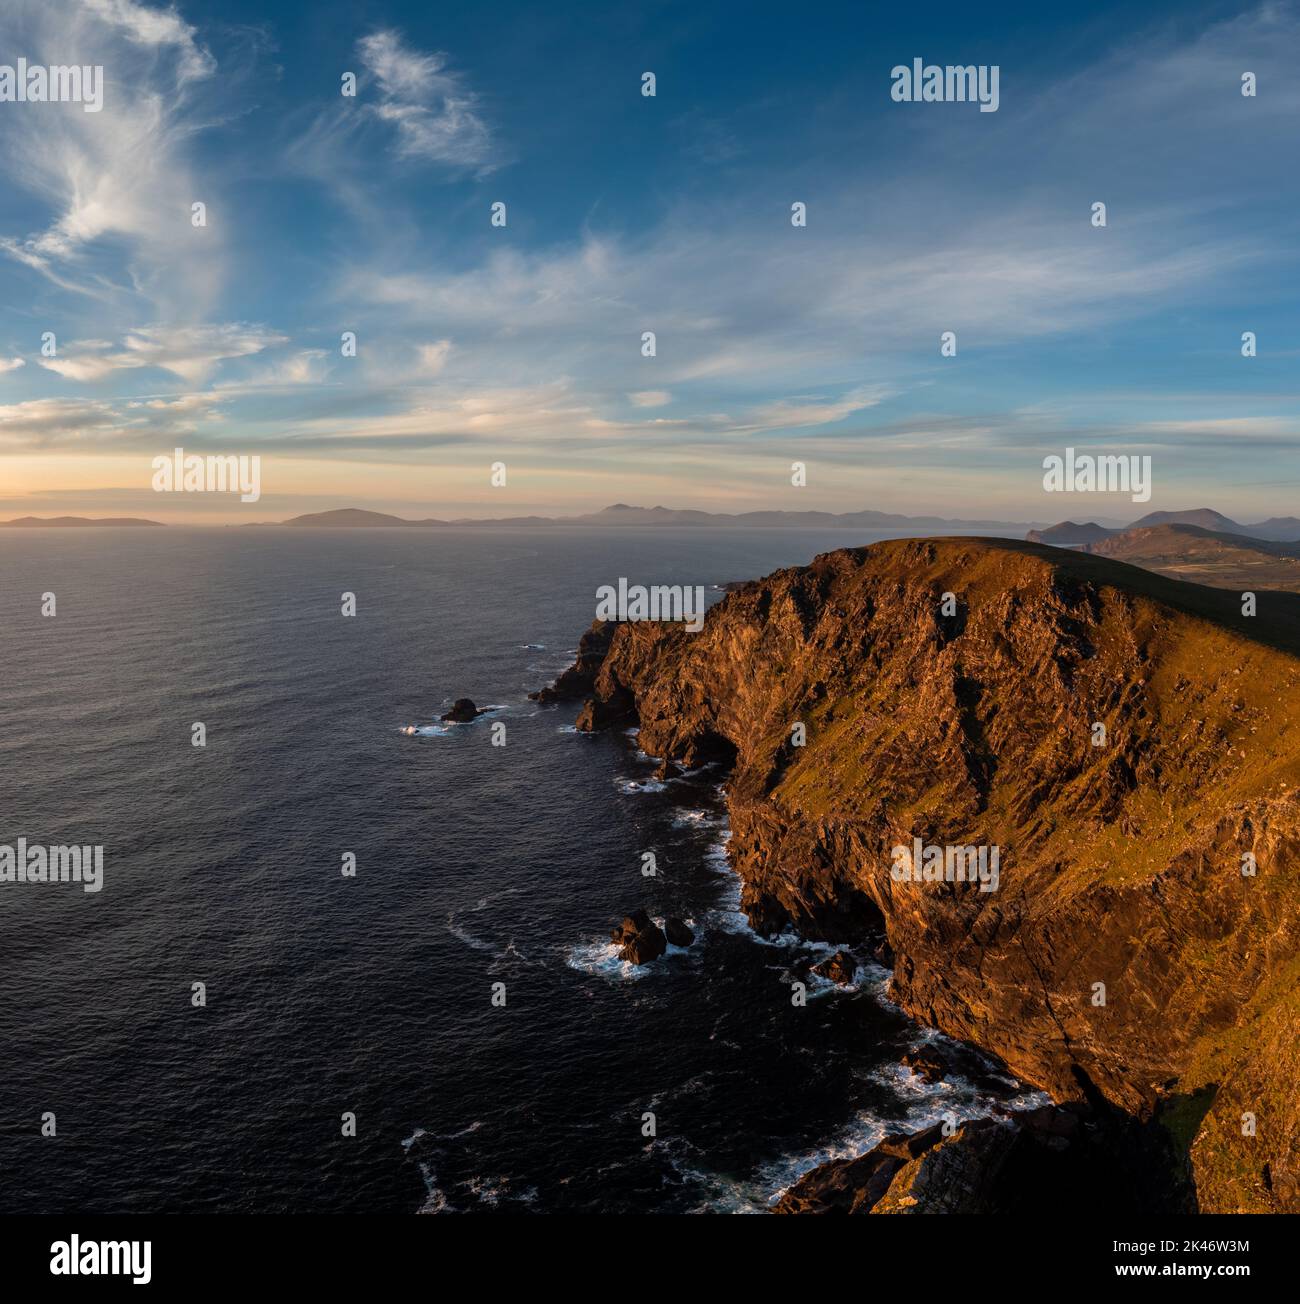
{"x":600,"y":957}
{"x":502,"y":956}
{"x":464,"y":935}
{"x":425,"y":730}
{"x":699,"y":819}
{"x":631,"y":786}
{"x":925,"y":1104}
{"x":601,"y":960}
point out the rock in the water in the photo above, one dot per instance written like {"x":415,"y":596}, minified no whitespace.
{"x":462,"y":710}
{"x":839,"y":968}
{"x":649,"y":944}
{"x":667,"y":770}
{"x":677,"y":932}
{"x":633,"y":922}
{"x":926,"y":1064}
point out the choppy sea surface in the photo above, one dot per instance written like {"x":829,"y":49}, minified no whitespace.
{"x":371,"y":996}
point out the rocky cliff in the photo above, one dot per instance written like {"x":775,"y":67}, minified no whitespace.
{"x":1123,"y":740}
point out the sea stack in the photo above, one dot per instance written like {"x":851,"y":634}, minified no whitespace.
{"x":462,"y":710}
{"x":640,"y":938}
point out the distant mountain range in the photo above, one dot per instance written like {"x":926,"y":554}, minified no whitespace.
{"x":622,"y":514}
{"x":64,"y":522}
{"x":1070,"y":534}
{"x":1188,"y":552}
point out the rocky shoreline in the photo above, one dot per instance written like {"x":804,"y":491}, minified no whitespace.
{"x":950,"y":690}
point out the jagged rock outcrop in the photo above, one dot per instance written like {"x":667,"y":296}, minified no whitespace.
{"x":639,"y":938}
{"x":579,"y":678}
{"x":1123,"y":958}
{"x":856,"y":1185}
{"x":1057,"y":1157}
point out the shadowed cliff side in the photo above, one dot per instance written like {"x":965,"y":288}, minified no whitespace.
{"x":1121,"y":863}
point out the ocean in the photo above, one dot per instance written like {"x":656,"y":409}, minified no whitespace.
{"x":328,"y":997}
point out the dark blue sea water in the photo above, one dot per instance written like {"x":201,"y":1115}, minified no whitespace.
{"x":476,"y":865}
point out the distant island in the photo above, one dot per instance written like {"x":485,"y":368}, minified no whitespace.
{"x":72,"y":522}
{"x":622,"y":514}
{"x":1133,"y":543}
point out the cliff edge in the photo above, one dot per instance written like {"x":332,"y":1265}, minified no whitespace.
{"x":1129,"y":744}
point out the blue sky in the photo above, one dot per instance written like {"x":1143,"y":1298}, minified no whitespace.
{"x":479,"y":344}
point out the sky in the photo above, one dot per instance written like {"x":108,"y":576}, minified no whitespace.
{"x":521,"y":343}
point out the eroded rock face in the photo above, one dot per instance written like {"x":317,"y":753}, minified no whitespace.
{"x":1122,"y":958}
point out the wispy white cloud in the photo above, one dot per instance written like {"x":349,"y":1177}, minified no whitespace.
{"x":792,"y":413}
{"x":156,"y":29}
{"x":300,"y":367}
{"x":120,"y":177}
{"x":190,"y":352}
{"x":99,"y":425}
{"x":436,"y":115}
